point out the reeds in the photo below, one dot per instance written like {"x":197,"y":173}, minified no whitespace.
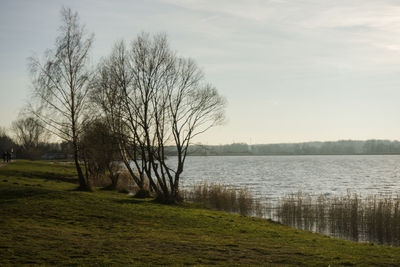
{"x":220,"y":197}
{"x":352,"y":217}
{"x":125,"y":182}
{"x":372,"y":219}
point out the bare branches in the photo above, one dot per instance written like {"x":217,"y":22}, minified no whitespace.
{"x":61,"y":83}
{"x":156,"y":99}
{"x":148,"y":97}
{"x":28,"y":132}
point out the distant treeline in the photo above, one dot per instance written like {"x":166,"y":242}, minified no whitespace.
{"x":342,"y":147}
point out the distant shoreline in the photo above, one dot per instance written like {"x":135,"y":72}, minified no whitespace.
{"x":341,"y":147}
{"x":257,"y":155}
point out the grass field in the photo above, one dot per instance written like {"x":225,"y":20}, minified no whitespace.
{"x":45,"y":221}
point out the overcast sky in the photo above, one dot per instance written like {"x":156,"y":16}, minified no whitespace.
{"x":291,"y":71}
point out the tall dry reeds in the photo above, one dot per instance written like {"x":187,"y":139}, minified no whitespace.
{"x":352,"y":217}
{"x":372,"y":219}
{"x":125,"y":182}
{"x":221,"y":197}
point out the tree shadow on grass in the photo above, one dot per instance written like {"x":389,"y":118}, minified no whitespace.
{"x":37,"y":174}
{"x":22,"y":192}
{"x":130,"y":201}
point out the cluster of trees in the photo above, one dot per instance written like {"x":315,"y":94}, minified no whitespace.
{"x":6,"y":142}
{"x":140,"y":99}
{"x":342,"y":147}
{"x":28,"y":139}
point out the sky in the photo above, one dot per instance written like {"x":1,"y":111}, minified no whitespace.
{"x":291,"y":70}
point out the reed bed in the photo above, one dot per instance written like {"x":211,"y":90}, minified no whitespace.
{"x":353,"y":217}
{"x":372,"y":219}
{"x":221,"y":197}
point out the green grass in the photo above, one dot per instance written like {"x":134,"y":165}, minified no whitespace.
{"x":45,"y":221}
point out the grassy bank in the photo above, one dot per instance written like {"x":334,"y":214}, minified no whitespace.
{"x":45,"y":221}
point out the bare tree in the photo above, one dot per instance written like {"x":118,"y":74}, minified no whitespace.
{"x":110,"y":86}
{"x":183,"y":107}
{"x":61,"y":84}
{"x":29,"y":134}
{"x":158,"y":99}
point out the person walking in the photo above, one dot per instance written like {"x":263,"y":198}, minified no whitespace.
{"x":8,"y":156}
{"x":4,"y":156}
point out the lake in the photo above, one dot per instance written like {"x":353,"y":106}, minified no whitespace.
{"x":274,"y":176}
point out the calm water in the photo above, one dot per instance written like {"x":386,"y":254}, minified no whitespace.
{"x":273,"y":176}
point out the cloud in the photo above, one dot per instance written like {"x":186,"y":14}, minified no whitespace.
{"x":252,"y":9}
{"x":300,"y":52}
{"x":348,"y":34}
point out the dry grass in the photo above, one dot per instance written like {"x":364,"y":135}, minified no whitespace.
{"x":221,"y":197}
{"x":373,"y":219}
{"x":125,"y":182}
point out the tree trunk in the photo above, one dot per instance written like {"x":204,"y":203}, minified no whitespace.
{"x":83,"y":185}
